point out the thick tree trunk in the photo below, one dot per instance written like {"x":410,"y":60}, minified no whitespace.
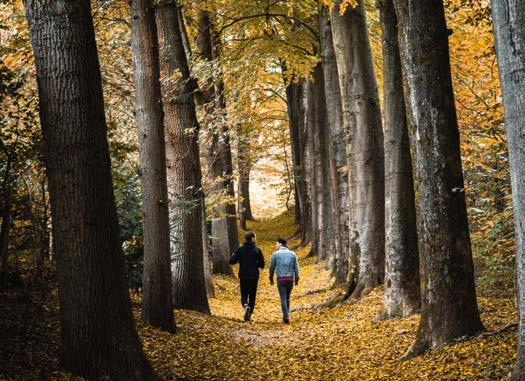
{"x":338,"y":141}
{"x":448,"y":297}
{"x":98,"y":336}
{"x":402,"y":296}
{"x":362,"y":120}
{"x":509,"y":29}
{"x":157,"y":305}
{"x":183,"y":163}
{"x":327,"y":224}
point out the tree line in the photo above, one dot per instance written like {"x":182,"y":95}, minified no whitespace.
{"x":380,"y":199}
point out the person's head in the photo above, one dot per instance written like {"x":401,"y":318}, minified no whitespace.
{"x":281,"y":242}
{"x":250,"y":237}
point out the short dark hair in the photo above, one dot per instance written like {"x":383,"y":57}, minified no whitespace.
{"x":282,"y":241}
{"x":249,"y":236}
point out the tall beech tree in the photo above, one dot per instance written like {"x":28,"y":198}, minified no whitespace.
{"x":402,"y":296}
{"x":214,"y":156}
{"x":157,"y":305}
{"x":337,"y":146}
{"x":509,"y":29}
{"x":98,"y":336}
{"x":448,"y":297}
{"x":183,"y":162}
{"x":362,"y":122}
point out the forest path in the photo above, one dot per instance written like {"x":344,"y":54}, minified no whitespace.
{"x":342,"y":343}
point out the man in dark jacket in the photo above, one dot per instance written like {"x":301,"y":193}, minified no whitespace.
{"x":250,"y":259}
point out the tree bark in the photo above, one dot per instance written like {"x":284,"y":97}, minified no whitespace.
{"x":206,"y":251}
{"x":244,"y":165}
{"x":401,"y":296}
{"x":6,"y":224}
{"x":509,"y":29}
{"x":98,"y":336}
{"x":293,"y":99}
{"x":337,"y":148}
{"x":157,"y":305}
{"x":448,"y":297}
{"x":362,"y":121}
{"x":311,"y":171}
{"x":327,"y":229}
{"x":222,"y":233}
{"x":225,"y":152}
{"x":183,"y":164}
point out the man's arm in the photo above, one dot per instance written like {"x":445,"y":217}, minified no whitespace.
{"x":296,"y":270}
{"x":272,"y":268}
{"x":261,"y":259}
{"x":235,"y":257}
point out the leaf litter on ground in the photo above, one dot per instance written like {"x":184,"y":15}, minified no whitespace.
{"x":346,"y":342}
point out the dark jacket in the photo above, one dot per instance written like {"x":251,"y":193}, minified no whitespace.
{"x":250,"y":258}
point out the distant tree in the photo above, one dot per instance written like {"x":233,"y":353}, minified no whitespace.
{"x":509,"y":29}
{"x":449,"y":308}
{"x":157,"y":305}
{"x":98,"y":336}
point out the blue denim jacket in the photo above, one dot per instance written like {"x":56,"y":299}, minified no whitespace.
{"x":285,"y":262}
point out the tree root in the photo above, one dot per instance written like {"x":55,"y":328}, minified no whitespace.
{"x":498,"y":331}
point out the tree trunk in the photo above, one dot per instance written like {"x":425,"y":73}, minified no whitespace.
{"x":157,"y":305}
{"x":328,"y":242}
{"x":222,"y":235}
{"x":448,"y":297}
{"x":98,"y":336}
{"x":362,"y":120}
{"x":293,"y":99}
{"x":338,"y":141}
{"x":183,"y":163}
{"x":225,"y":152}
{"x":401,"y":296}
{"x":6,"y":225}
{"x":244,"y":165}
{"x":509,"y":29}
{"x":206,"y":251}
{"x":310,"y":162}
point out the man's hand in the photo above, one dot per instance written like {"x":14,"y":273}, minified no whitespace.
{"x":271,"y":281}
{"x":296,"y":281}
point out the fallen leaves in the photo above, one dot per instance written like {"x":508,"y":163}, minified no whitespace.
{"x":342,"y":343}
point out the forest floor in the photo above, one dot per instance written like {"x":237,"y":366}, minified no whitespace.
{"x":347,"y":342}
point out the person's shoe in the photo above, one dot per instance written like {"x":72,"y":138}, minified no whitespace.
{"x":247,"y":313}
{"x":286,"y":321}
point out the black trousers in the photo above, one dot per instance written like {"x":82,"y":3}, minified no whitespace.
{"x":249,"y":291}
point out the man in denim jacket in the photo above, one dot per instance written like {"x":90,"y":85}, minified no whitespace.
{"x":284,"y":261}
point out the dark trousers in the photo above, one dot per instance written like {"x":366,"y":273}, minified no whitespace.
{"x":249,"y":291}
{"x":285,"y":289}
